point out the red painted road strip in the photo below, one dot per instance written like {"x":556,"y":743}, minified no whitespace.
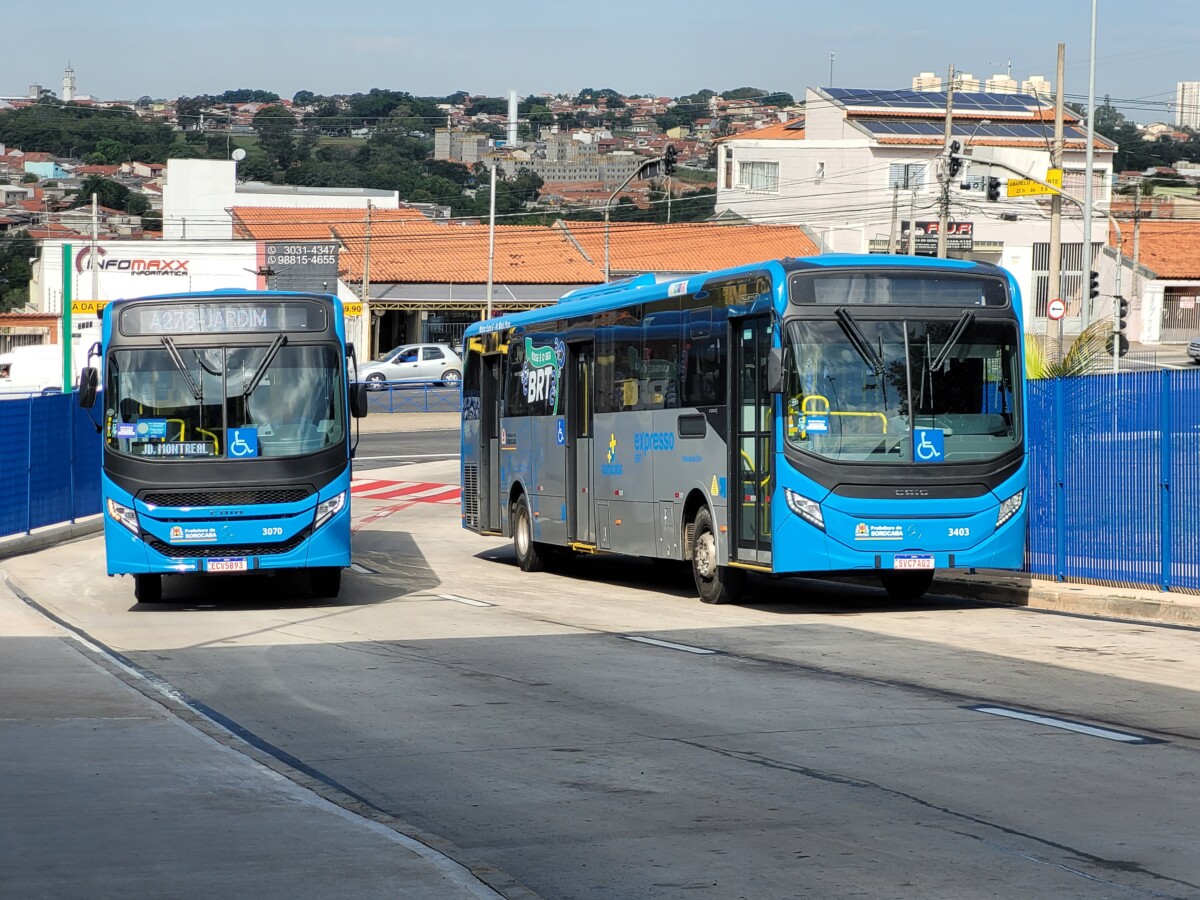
{"x":416,"y":491}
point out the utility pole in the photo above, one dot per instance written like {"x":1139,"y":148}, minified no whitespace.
{"x":1137,"y":217}
{"x":1086,"y":315}
{"x":365,"y":287}
{"x":1054,"y":284}
{"x":944,"y":175}
{"x":95,"y":269}
{"x":491,"y":237}
{"x":912,"y":223}
{"x":895,"y":217}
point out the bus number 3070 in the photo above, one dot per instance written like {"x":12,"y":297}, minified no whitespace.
{"x":272,"y":532}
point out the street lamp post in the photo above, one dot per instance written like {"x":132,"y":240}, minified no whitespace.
{"x":608,"y":204}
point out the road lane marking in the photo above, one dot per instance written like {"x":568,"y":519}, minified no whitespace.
{"x":668,"y":644}
{"x":1107,"y":734}
{"x":466,"y":600}
{"x":362,"y":570}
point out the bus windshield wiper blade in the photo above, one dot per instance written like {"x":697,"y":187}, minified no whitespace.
{"x":965,"y":321}
{"x":173,"y":352}
{"x":280,"y":340}
{"x":858,"y":340}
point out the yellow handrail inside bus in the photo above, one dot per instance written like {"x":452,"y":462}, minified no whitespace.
{"x":812,"y":405}
{"x":216,"y":446}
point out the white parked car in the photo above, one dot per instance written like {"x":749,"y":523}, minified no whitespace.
{"x":413,"y":364}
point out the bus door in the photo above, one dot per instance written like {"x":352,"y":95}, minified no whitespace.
{"x":750,"y":409}
{"x":578,"y":394}
{"x":490,"y":389}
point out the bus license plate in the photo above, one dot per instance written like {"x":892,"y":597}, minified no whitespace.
{"x":226,"y":564}
{"x":913,"y":561}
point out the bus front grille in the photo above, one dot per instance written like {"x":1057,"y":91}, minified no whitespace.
{"x":192,"y":551}
{"x":470,"y":495}
{"x":245,"y":497}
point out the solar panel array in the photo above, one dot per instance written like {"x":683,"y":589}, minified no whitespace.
{"x":921,"y":101}
{"x":904,"y":128}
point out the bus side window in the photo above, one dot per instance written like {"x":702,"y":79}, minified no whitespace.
{"x":515,"y":403}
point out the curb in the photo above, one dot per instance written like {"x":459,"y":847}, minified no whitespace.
{"x":1092,"y":600}
{"x":50,"y":536}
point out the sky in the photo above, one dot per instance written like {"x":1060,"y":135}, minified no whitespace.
{"x":559,"y":46}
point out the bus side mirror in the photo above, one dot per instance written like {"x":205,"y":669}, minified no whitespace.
{"x":358,"y":400}
{"x":775,"y":370}
{"x":89,"y":380}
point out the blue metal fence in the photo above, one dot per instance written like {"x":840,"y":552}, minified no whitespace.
{"x":1115,"y":479}
{"x":1114,"y":492}
{"x":49,"y":463}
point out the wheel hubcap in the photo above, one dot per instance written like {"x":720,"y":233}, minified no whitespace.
{"x":705,"y":555}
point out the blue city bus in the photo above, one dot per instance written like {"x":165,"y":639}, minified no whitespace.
{"x":226,"y":435}
{"x":834,"y":414}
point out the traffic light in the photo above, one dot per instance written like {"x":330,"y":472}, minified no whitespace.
{"x":1118,"y":337}
{"x":669,"y":160}
{"x":1093,"y":284}
{"x":993,"y":189}
{"x":954,"y":164}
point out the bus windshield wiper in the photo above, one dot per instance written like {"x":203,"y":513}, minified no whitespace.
{"x":965,"y":321}
{"x":858,"y":340}
{"x":173,"y":352}
{"x":280,"y":340}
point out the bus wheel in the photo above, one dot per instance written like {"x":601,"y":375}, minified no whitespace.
{"x":715,"y":584}
{"x":325,"y":581}
{"x":147,"y":588}
{"x":530,"y":556}
{"x":906,"y":586}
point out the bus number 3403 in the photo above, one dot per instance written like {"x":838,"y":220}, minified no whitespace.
{"x":959,"y":532}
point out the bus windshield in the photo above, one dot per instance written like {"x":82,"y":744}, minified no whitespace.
{"x":214,"y":401}
{"x":858,"y":387}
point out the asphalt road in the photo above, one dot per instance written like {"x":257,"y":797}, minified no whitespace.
{"x":601,"y":733}
{"x":384,"y":449}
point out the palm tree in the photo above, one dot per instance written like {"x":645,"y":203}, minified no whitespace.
{"x":1044,"y":356}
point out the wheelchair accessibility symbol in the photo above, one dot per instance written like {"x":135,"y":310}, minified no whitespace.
{"x":930,"y":446}
{"x":243,"y":443}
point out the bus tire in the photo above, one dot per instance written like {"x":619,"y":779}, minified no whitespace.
{"x":714,"y":583}
{"x":147,"y":588}
{"x":530,"y":556}
{"x":325,"y":582}
{"x":906,"y":587}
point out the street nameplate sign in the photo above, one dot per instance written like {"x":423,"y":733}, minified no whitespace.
{"x":1024,"y":187}
{"x":87,"y":307}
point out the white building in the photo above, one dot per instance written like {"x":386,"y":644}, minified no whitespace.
{"x":1187,"y":104}
{"x":199,"y":193}
{"x":863,"y":163}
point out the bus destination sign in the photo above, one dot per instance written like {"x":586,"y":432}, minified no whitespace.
{"x":220,"y":318}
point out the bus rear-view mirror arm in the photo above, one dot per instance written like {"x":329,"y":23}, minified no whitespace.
{"x":89,"y":382}
{"x":775,"y":370}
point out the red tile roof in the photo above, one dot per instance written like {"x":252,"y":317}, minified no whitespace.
{"x":688,"y":247}
{"x":458,"y":254}
{"x":273,"y":223}
{"x":1170,"y":249}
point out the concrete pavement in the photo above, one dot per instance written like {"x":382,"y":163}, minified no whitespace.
{"x":113,"y":788}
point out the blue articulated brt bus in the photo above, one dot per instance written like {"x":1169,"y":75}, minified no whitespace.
{"x":833,"y":414}
{"x":226,"y":435}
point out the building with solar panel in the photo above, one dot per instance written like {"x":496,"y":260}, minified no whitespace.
{"x":864,"y":164}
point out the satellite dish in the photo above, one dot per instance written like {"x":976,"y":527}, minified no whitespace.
{"x":238,"y":155}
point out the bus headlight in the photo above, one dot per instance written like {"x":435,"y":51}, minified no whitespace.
{"x":808,"y":510}
{"x":1009,"y":508}
{"x":123,"y":514}
{"x":327,"y":508}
